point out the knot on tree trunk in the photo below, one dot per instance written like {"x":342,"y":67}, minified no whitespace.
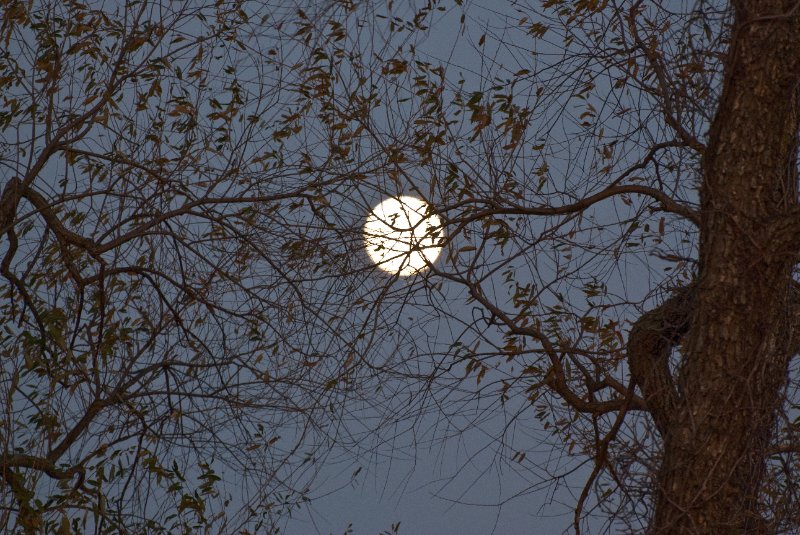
{"x":650,"y":343}
{"x":658,"y":331}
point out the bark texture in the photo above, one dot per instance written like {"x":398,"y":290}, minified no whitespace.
{"x":650,"y":344}
{"x":717,"y":420}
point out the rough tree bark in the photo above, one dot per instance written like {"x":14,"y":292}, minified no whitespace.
{"x":717,"y":416}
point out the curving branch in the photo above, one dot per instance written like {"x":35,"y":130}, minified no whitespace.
{"x":9,"y":200}
{"x":556,"y":377}
{"x":67,"y":237}
{"x":42,"y":464}
{"x":650,"y":342}
{"x":654,"y":335}
{"x":666,"y":204}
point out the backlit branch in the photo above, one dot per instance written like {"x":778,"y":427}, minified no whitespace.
{"x":556,"y":378}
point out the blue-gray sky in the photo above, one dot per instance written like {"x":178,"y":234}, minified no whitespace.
{"x":465,"y":484}
{"x":445,"y":457}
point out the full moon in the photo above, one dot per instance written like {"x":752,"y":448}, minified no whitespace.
{"x":401,"y":237}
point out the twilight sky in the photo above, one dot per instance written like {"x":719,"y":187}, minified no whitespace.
{"x":437,"y":485}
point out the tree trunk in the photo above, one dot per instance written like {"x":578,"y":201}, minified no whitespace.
{"x":737,"y":349}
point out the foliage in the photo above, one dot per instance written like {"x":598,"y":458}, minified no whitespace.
{"x":161,"y":324}
{"x":187,"y":307}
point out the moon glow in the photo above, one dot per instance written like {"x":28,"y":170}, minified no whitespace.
{"x":401,"y":237}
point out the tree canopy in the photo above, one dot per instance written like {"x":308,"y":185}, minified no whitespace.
{"x":192,"y":328}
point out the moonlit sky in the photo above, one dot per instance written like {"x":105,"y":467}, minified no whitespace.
{"x":443,"y":471}
{"x":401,"y":237}
{"x":434,"y":486}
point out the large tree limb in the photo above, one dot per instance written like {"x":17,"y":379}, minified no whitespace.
{"x":666,"y":204}
{"x":42,"y":464}
{"x":657,"y":332}
{"x":650,"y":343}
